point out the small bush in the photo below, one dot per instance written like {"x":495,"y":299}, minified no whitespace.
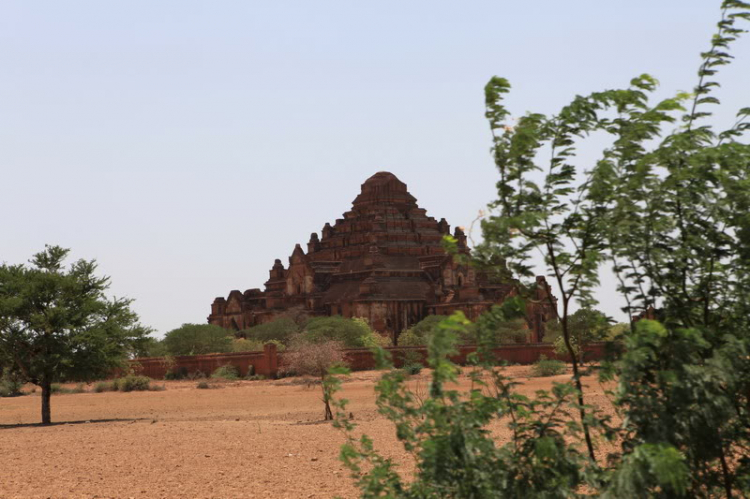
{"x":79,"y":388}
{"x":58,"y":389}
{"x":412,"y":369}
{"x":133,"y":383}
{"x":246,"y":345}
{"x":228,"y":372}
{"x":176,"y":373}
{"x":196,"y":375}
{"x":547,"y":367}
{"x":203,"y":385}
{"x":410,"y":339}
{"x":255,"y":377}
{"x":105,"y":386}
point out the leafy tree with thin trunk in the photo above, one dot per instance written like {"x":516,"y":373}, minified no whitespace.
{"x":57,"y":325}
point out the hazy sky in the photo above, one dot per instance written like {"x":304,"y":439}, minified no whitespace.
{"x":186,"y":144}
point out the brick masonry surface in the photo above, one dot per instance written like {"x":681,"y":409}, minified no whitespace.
{"x":269,"y":361}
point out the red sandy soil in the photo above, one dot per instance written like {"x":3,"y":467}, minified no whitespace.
{"x":244,"y":439}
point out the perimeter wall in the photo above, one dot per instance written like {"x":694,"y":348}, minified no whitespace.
{"x":268,"y":362}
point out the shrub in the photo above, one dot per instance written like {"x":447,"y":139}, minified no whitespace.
{"x":133,"y":383}
{"x":79,"y":388}
{"x":547,"y":367}
{"x":410,"y":339}
{"x":412,"y":369}
{"x":246,"y":345}
{"x":11,"y":383}
{"x":418,"y":334}
{"x":228,"y":372}
{"x":176,"y":373}
{"x":58,"y":389}
{"x":203,"y":385}
{"x":105,"y":386}
{"x":255,"y":377}
{"x":315,"y":358}
{"x":498,"y":326}
{"x":169,"y":363}
{"x":280,"y":347}
{"x":375,"y":340}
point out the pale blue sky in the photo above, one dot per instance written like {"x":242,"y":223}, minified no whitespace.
{"x":186,"y":144}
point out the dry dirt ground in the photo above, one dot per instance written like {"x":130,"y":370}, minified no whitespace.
{"x":244,"y":439}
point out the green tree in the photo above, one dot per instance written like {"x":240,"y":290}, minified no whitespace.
{"x":350,"y":333}
{"x":149,"y":346}
{"x":281,"y":329}
{"x":585,"y":326}
{"x":501,"y":325}
{"x":677,"y":230}
{"x":56,"y":324}
{"x":197,"y":339}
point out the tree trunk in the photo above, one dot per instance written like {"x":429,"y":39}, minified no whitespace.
{"x":46,"y":395}
{"x":326,"y":398}
{"x":329,"y":414}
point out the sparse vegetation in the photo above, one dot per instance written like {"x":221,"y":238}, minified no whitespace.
{"x":176,"y":373}
{"x":412,"y":369}
{"x":412,"y":362}
{"x":59,"y":389}
{"x":547,"y":367}
{"x":132,"y":383}
{"x":227,"y":372}
{"x":105,"y":386}
{"x":246,"y":345}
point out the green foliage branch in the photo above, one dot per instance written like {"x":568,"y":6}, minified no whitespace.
{"x":671,"y":212}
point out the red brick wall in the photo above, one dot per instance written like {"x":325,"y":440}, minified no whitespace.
{"x":264,"y":362}
{"x":363,"y":359}
{"x":269,"y":361}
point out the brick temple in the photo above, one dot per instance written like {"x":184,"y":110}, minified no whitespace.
{"x":383,"y":261}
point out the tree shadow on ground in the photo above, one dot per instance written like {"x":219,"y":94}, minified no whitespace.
{"x":63,"y":423}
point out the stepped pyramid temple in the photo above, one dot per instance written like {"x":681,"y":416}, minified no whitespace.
{"x":383,"y":261}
